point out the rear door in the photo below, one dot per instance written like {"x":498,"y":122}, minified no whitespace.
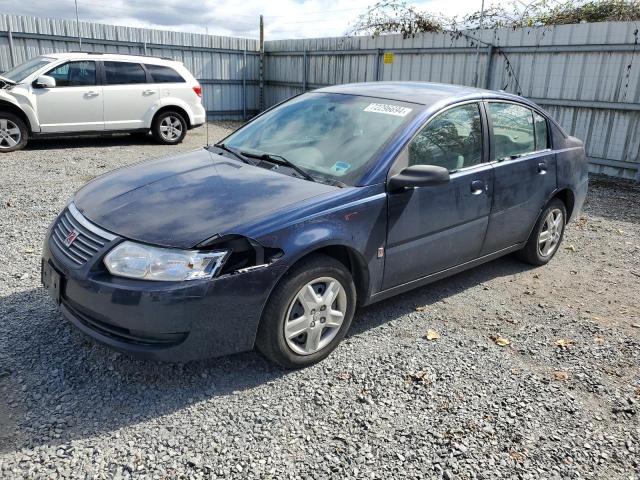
{"x":525,"y":172}
{"x":434,"y":228}
{"x":170,"y":83}
{"x":127,"y":96}
{"x":75,"y":104}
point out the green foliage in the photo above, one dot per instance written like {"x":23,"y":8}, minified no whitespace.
{"x":390,"y":16}
{"x":591,"y":12}
{"x":396,"y":16}
{"x":549,"y":13}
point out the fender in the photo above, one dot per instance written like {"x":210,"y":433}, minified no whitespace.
{"x":167,"y":102}
{"x":346,"y":226}
{"x":572,"y":172}
{"x":7,"y":98}
{"x":577,"y":205}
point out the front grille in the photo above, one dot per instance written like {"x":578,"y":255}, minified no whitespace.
{"x":89,"y":240}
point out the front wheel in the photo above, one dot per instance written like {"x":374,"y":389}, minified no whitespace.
{"x":547,"y":234}
{"x":169,"y":128}
{"x":13,"y":133}
{"x":308,"y":313}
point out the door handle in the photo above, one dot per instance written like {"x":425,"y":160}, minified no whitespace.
{"x":542,"y":168}
{"x":478,"y":186}
{"x":91,"y":94}
{"x":148,"y":92}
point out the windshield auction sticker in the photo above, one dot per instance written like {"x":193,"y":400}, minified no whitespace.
{"x":388,"y":109}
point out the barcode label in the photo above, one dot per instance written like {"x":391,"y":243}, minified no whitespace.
{"x":388,"y":109}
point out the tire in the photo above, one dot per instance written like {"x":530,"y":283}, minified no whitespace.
{"x":539,"y":251}
{"x":13,"y":133}
{"x":169,"y":128}
{"x":284,"y":314}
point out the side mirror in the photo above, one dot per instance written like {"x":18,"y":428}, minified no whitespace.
{"x":418,"y":176}
{"x":44,"y":81}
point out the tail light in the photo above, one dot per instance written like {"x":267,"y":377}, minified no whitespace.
{"x":198,"y":90}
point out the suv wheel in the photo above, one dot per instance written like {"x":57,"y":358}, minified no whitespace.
{"x":547,"y":234}
{"x":169,"y":128}
{"x":13,"y":133}
{"x":308,"y":313}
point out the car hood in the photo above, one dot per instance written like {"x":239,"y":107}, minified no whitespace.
{"x":7,"y":80}
{"x":181,"y":200}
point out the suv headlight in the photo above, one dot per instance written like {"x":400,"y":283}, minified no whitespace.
{"x":134,"y":260}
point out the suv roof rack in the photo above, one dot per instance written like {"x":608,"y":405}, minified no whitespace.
{"x":124,"y":54}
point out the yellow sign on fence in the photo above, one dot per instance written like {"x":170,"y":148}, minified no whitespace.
{"x":388,"y":58}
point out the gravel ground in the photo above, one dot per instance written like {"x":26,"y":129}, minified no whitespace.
{"x":535,"y":374}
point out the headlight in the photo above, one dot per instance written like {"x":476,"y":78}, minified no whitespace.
{"x":134,"y":260}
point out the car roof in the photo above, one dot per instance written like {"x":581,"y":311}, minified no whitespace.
{"x":424,"y":93}
{"x":110,"y":56}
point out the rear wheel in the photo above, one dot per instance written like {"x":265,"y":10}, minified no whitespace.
{"x":547,"y":234}
{"x":13,"y":133}
{"x":308,"y":313}
{"x":169,"y":128}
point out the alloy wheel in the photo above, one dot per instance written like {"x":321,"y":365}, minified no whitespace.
{"x":315,"y":315}
{"x":550,"y":233}
{"x":10,"y":134}
{"x":170,"y":128}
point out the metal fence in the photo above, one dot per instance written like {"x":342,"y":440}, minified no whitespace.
{"x":586,"y":75}
{"x":227,"y":68}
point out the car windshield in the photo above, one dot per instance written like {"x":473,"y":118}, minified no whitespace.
{"x":325,"y":134}
{"x":23,"y":70}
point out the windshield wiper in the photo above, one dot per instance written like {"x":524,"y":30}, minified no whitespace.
{"x":279,"y":160}
{"x":233,"y":152}
{"x":334,"y":182}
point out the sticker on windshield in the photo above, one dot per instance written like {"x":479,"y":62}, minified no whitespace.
{"x":388,"y":109}
{"x":340,"y":167}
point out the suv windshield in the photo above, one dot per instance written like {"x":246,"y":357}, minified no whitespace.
{"x":23,"y":70}
{"x":325,"y":134}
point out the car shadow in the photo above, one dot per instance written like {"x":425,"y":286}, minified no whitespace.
{"x":48,"y":370}
{"x":387,"y":310}
{"x":115,"y":140}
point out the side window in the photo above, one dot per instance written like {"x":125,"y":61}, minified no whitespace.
{"x":542,"y":137}
{"x":513,"y":133}
{"x":74,"y":74}
{"x":452,"y":139}
{"x":124,"y":73}
{"x":162,"y":74}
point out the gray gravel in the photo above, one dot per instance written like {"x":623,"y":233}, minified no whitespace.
{"x":561,"y":400}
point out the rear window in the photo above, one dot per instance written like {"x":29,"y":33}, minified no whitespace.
{"x":124,"y":73}
{"x":513,"y":132}
{"x":542,"y":137}
{"x":162,"y":74}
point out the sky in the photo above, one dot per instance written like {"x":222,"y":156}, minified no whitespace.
{"x":283,"y":18}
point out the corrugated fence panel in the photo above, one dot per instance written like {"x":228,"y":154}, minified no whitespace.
{"x":587,"y":75}
{"x":219,"y":63}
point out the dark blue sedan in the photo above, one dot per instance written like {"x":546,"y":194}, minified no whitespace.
{"x":336,"y":198}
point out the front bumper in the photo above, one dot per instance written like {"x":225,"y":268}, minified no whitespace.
{"x":168,"y":321}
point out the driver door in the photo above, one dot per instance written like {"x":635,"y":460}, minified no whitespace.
{"x":431,"y":229}
{"x":75,"y":104}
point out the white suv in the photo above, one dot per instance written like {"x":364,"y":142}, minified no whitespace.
{"x":93,"y":93}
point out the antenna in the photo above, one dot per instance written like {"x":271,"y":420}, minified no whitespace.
{"x":206,"y":114}
{"x":78,"y":26}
